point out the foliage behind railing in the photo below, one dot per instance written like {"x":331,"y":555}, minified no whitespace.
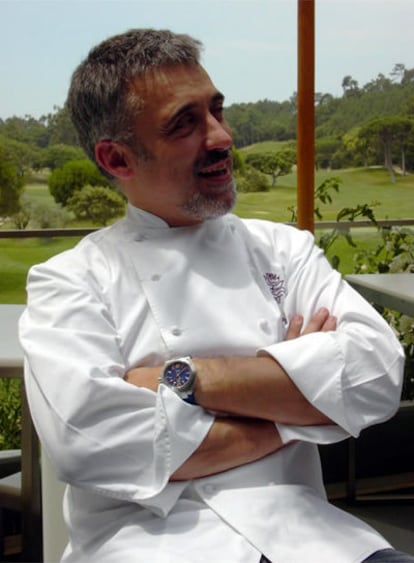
{"x":395,"y":253}
{"x":10,"y":413}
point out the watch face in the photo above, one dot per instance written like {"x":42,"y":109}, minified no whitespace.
{"x":177,"y":374}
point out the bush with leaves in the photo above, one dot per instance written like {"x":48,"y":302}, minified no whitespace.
{"x":323,"y":195}
{"x":22,"y":217}
{"x":394,"y":254}
{"x":74,"y":175}
{"x":239,"y":164}
{"x":11,"y":185}
{"x":56,"y":156}
{"x":251,"y":181}
{"x":274,"y":164}
{"x":96,"y":203}
{"x":10,"y":414}
{"x":48,"y":216}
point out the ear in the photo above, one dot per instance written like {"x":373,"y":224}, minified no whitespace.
{"x":115,"y":158}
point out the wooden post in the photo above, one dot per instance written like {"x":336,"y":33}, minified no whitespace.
{"x":306,"y":114}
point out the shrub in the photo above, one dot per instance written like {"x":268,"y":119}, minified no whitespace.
{"x":47,"y":216}
{"x":11,"y":185}
{"x":394,"y":254}
{"x":10,"y":414}
{"x":74,"y":175}
{"x":251,"y":181}
{"x":96,"y":203}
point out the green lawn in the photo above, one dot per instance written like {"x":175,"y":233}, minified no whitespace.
{"x":39,"y":193}
{"x":358,"y":187}
{"x":266,"y":146}
{"x":17,"y":255}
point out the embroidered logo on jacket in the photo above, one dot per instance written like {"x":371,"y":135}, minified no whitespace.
{"x":276,"y":285}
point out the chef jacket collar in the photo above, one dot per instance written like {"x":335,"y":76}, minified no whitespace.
{"x":145,"y":220}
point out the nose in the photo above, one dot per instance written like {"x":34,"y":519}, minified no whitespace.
{"x":218,"y":134}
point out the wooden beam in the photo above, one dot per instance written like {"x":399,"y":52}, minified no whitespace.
{"x":306,"y":114}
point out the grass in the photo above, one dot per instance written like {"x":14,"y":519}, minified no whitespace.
{"x":16,"y":257}
{"x":38,"y":192}
{"x":266,"y":146}
{"x":358,"y":186}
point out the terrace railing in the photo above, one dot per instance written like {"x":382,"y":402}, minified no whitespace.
{"x":80,"y":232}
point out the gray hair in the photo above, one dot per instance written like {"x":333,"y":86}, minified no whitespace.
{"x":99,"y":101}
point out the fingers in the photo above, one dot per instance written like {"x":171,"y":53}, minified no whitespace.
{"x":295,"y":327}
{"x":321,"y":321}
{"x":317,"y":321}
{"x":329,"y":324}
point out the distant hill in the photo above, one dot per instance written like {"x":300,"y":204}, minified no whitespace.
{"x":51,"y":140}
{"x":268,"y":120}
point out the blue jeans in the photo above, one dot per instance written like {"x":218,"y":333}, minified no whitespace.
{"x":382,"y":556}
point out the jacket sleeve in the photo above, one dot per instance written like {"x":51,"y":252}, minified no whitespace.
{"x":101,"y":433}
{"x":354,"y":374}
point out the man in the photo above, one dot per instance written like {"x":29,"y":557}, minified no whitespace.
{"x":183,"y":364}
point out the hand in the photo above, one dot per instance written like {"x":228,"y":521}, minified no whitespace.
{"x":144,"y":377}
{"x":321,"y":321}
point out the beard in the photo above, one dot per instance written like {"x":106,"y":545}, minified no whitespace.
{"x":203,"y":207}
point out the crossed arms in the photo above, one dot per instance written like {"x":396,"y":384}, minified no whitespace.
{"x":256,"y":392}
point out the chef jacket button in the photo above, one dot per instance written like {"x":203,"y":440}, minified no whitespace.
{"x":264,"y":325}
{"x":209,"y":489}
{"x":140,"y":237}
{"x":156,"y":277}
{"x":176,"y":331}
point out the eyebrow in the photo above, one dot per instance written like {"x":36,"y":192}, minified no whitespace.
{"x":217,"y":97}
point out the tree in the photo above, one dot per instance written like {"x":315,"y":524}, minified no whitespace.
{"x":238,"y":161}
{"x":408,"y":78}
{"x":379,"y":84}
{"x":358,"y":143}
{"x":61,"y":128}
{"x":44,"y":215}
{"x":23,"y":155}
{"x":22,"y":217}
{"x":390,"y":131}
{"x":96,"y":203}
{"x":56,"y":156}
{"x":274,"y":164}
{"x":324,"y":151}
{"x":398,"y":72}
{"x":25,"y":129}
{"x":65,"y":181}
{"x":11,"y":186}
{"x":251,"y":180}
{"x":350,"y":86}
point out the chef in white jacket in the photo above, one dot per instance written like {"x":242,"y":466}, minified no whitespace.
{"x":182,"y":364}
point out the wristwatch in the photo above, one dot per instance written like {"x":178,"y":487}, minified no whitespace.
{"x":179,"y":375}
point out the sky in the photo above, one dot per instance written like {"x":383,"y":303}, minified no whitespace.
{"x":250,"y":46}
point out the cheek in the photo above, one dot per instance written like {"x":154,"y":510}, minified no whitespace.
{"x":177,"y":161}
{"x":179,"y":168}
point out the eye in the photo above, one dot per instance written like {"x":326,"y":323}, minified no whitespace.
{"x":185,"y":124}
{"x":218,"y":112}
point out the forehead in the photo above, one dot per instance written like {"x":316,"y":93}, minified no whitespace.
{"x":165,"y":90}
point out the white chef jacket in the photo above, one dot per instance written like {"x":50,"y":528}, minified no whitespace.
{"x":139,"y":293}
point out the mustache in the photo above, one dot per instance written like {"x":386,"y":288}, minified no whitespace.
{"x":213,"y":156}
